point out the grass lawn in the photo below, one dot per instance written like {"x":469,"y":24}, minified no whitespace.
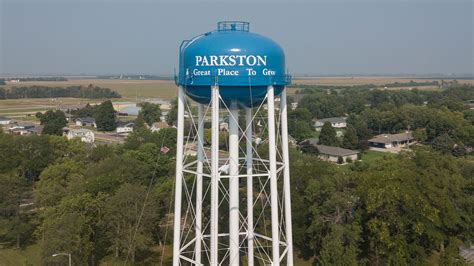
{"x":29,"y":256}
{"x":370,"y":156}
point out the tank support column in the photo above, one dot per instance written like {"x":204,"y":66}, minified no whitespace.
{"x":215,"y":177}
{"x":286,"y":178}
{"x":200,"y":158}
{"x":273,"y":177}
{"x":179,"y":179}
{"x":249,"y":159}
{"x":234,"y":215}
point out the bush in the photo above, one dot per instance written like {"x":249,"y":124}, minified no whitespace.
{"x":340,"y":160}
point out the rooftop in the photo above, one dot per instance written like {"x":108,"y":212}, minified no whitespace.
{"x":125,"y":124}
{"x":333,"y":120}
{"x":160,"y":125}
{"x":86,"y":119}
{"x":389,"y":138}
{"x":335,"y":151}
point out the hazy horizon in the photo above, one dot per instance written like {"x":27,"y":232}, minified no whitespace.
{"x":75,"y":37}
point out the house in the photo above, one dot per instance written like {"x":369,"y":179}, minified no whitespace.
{"x":163,"y":116}
{"x":86,"y":121}
{"x":386,"y":141}
{"x":36,"y":130}
{"x":125,"y":127}
{"x":86,"y":135}
{"x":294,"y":105}
{"x":4,"y":120}
{"x":336,"y":122}
{"x":25,"y":129}
{"x":155,"y":127}
{"x":332,"y":154}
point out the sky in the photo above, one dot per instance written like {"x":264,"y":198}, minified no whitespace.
{"x":339,"y":37}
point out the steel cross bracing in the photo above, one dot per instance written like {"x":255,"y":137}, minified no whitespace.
{"x":262,"y":225}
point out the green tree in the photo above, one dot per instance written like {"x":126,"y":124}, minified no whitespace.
{"x":105,"y":116}
{"x":350,"y":139}
{"x":16,"y":225}
{"x":334,"y":250}
{"x":139,"y":123}
{"x":54,"y":181}
{"x":172,"y":115}
{"x":412,"y":204}
{"x":300,"y":130}
{"x":328,"y":135}
{"x":123,"y":210}
{"x":73,"y":227}
{"x":444,"y":144}
{"x":420,"y":135}
{"x":299,"y":124}
{"x":151,"y":112}
{"x":53,"y":122}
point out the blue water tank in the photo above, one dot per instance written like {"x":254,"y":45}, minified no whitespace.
{"x":240,"y":62}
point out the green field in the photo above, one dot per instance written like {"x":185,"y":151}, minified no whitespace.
{"x":29,"y":256}
{"x":129,"y":89}
{"x":369,"y":156}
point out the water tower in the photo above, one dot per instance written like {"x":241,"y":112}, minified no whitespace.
{"x":232,"y":202}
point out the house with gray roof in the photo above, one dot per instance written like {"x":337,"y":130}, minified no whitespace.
{"x":4,"y":120}
{"x":336,"y":122}
{"x":386,"y":141}
{"x":86,"y":121}
{"x":332,"y":154}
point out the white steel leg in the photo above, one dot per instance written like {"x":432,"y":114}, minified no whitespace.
{"x":215,"y":177}
{"x":234,"y":185}
{"x":286,"y":178}
{"x":249,"y":158}
{"x":273,"y":177}
{"x":179,"y":179}
{"x":200,"y":158}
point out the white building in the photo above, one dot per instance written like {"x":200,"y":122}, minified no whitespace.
{"x":86,"y":121}
{"x":4,"y":120}
{"x":86,"y":135}
{"x":336,"y":122}
{"x":125,"y":127}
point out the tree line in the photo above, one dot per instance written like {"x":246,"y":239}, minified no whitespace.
{"x":38,"y":91}
{"x":399,"y":209}
{"x":86,"y":200}
{"x":40,"y":79}
{"x":438,"y":118}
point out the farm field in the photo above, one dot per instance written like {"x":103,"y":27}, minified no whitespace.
{"x":129,"y":89}
{"x":137,"y":90}
{"x":347,"y":81}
